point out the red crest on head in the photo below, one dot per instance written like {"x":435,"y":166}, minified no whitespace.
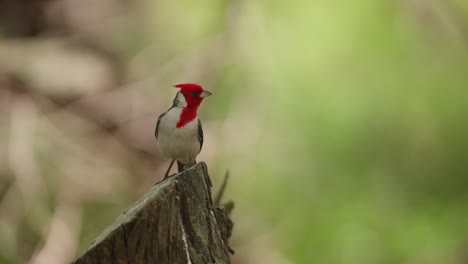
{"x":189,"y":87}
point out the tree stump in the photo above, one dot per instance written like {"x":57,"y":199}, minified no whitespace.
{"x":175,"y":222}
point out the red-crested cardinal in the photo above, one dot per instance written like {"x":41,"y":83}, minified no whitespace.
{"x":179,"y":131}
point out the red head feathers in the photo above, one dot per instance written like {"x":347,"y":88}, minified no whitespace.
{"x":186,"y":88}
{"x":193,"y":93}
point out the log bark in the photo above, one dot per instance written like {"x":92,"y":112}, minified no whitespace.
{"x":175,"y":222}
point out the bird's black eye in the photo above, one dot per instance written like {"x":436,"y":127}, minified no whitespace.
{"x":195,"y":93}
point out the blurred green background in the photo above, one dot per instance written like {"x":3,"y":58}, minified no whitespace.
{"x":343,"y":123}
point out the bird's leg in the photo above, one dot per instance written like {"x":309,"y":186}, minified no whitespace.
{"x":166,"y":175}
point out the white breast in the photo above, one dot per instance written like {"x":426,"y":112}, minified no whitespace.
{"x":178,"y":143}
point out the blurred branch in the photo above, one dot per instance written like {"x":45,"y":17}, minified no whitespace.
{"x":5,"y":186}
{"x":229,"y":205}
{"x":220,"y":193}
{"x":89,"y":88}
{"x":442,"y":17}
{"x":174,"y":222}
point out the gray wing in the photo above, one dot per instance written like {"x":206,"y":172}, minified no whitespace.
{"x":156,"y":132}
{"x":200,"y":134}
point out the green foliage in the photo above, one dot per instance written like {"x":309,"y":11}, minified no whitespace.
{"x":367,"y":111}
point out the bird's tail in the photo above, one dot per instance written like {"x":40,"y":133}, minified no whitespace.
{"x":180,"y":166}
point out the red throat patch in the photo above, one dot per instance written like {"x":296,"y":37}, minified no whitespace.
{"x":188,"y":114}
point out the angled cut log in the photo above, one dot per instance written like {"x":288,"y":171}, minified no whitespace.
{"x":174,"y":222}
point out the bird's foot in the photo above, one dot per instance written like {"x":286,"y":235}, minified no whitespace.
{"x":166,"y":177}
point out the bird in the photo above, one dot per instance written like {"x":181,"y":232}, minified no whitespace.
{"x":179,"y":131}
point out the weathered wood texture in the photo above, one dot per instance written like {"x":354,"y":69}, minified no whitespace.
{"x":174,"y":222}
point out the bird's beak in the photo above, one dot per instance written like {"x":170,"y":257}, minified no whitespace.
{"x":205,"y":93}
